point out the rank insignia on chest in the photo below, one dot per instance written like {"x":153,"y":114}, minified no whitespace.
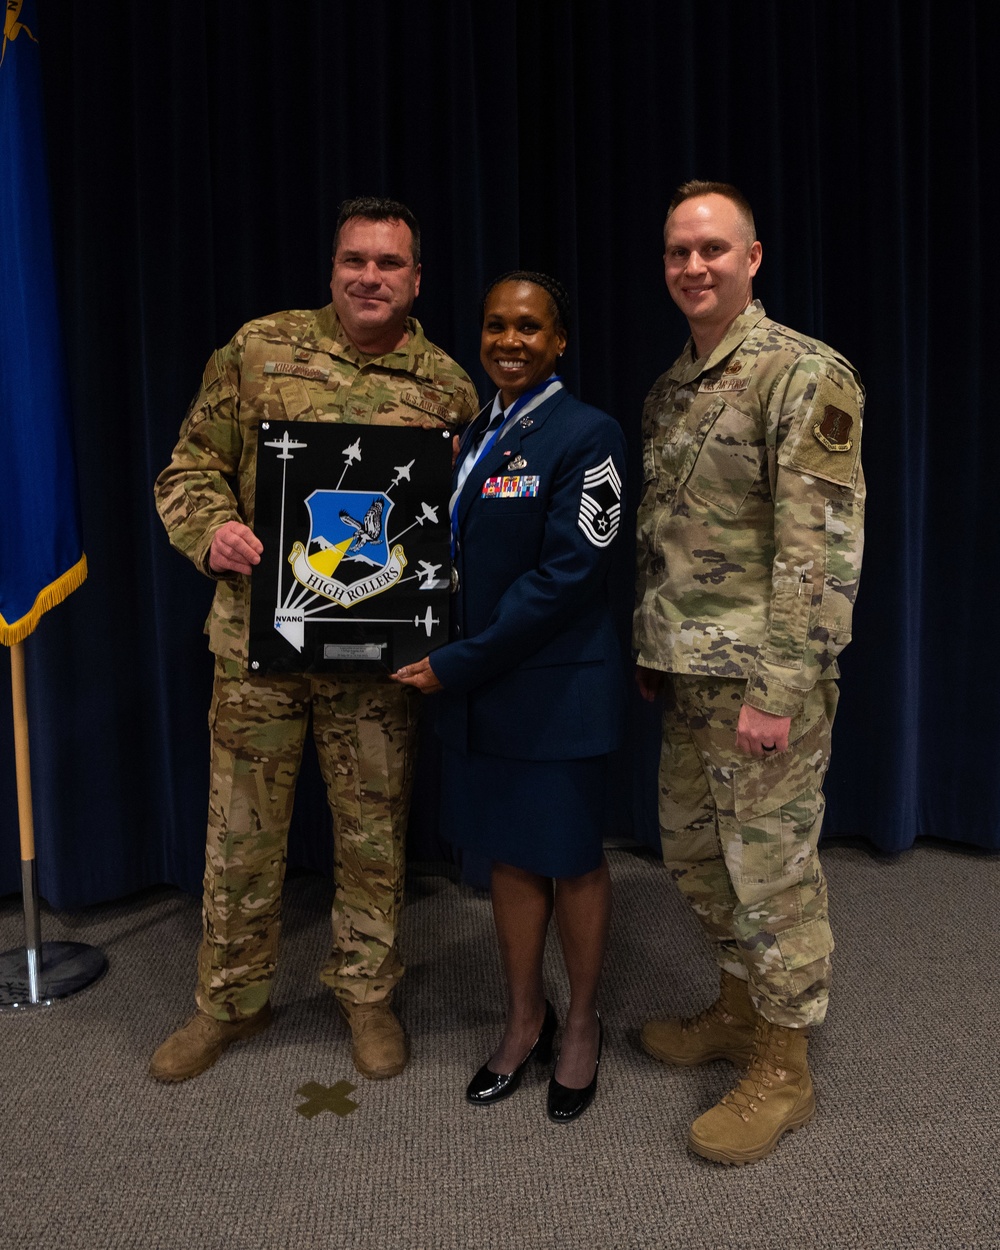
{"x":517,"y":486}
{"x":834,"y":431}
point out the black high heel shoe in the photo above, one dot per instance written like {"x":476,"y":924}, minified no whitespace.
{"x":565,"y":1104}
{"x":486,"y":1086}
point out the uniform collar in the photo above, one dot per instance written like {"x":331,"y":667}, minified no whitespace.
{"x":685,"y":368}
{"x":506,"y":449}
{"x":407,"y":359}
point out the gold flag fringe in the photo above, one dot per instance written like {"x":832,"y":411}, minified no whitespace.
{"x":54,"y":593}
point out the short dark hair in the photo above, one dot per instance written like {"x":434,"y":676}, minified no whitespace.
{"x":375,"y":208}
{"x":697,"y":186}
{"x":555,"y":290}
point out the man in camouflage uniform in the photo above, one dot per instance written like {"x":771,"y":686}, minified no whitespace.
{"x":360,"y":359}
{"x":749,"y":551}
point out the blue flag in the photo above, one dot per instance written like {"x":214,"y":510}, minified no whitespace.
{"x":41,"y":557}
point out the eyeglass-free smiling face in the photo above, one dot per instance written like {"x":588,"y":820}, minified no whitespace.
{"x":374,"y":282}
{"x":521,"y":338}
{"x":709,"y":262}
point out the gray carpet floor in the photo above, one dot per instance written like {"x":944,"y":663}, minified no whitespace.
{"x":903,"y":1155}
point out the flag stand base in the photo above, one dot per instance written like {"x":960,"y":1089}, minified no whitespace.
{"x":44,"y":971}
{"x":65,"y":968}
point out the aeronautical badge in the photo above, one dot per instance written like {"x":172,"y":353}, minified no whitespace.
{"x":518,"y":462}
{"x":600,"y":504}
{"x":834,"y":431}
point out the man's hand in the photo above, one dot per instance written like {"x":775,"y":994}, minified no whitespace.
{"x":649,"y":681}
{"x":235,"y":549}
{"x":420,"y":676}
{"x":759,"y":733}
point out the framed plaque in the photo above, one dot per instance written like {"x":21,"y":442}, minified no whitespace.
{"x":356,"y":534}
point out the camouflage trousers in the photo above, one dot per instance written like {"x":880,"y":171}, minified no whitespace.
{"x":364,"y":730}
{"x":739,"y":837}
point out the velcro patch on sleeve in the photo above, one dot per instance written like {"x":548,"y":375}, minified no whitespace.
{"x":824,"y":439}
{"x":600,"y":504}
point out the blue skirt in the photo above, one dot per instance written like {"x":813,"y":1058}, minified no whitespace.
{"x":545,"y":816}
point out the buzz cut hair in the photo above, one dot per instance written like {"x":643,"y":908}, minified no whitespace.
{"x":376,"y":208}
{"x":697,"y":186}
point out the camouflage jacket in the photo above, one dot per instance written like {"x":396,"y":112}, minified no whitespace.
{"x":750,"y":529}
{"x":292,"y":366}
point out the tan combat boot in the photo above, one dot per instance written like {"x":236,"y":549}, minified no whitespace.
{"x":200,"y":1042}
{"x":379,"y":1046}
{"x":723,"y":1031}
{"x":774,"y":1097}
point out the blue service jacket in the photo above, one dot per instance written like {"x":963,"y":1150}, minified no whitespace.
{"x":535,"y":669}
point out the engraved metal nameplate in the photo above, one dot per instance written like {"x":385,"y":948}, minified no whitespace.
{"x":353,"y":650}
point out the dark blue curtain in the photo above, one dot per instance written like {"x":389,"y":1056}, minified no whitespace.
{"x":197,"y":156}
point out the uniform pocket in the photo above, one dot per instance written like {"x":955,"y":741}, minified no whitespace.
{"x":804,"y":944}
{"x":777,"y":803}
{"x":649,"y":474}
{"x":295,"y":399}
{"x":729,"y":461}
{"x":788,"y":630}
{"x":496,"y":508}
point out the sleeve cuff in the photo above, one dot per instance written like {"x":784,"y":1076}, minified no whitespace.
{"x":769,"y":695}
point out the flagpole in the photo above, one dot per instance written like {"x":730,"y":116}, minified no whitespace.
{"x":26,"y":821}
{"x":40,"y":973}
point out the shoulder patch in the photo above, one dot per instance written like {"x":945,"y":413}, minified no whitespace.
{"x":600,"y":504}
{"x":824,"y":439}
{"x":834,"y":431}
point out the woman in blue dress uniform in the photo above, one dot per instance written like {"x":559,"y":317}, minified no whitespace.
{"x":530,"y":690}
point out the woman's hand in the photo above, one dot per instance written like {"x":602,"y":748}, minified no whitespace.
{"x":419,"y":675}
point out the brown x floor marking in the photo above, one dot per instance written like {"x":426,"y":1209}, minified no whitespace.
{"x":326,"y":1098}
